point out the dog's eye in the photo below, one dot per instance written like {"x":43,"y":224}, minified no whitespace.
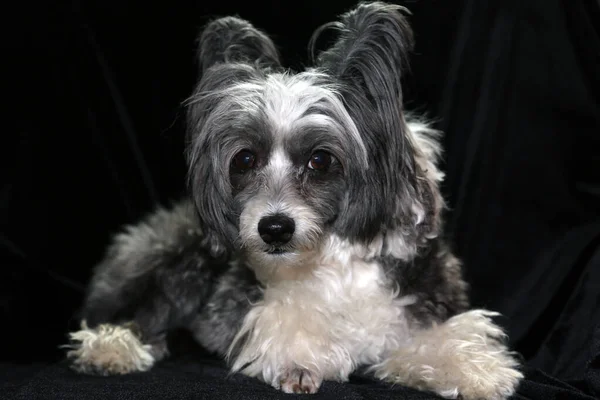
{"x":319,"y":161}
{"x":244,"y":160}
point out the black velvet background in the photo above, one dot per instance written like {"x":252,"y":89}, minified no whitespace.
{"x":92,"y":138}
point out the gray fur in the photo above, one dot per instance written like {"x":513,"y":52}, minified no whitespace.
{"x":234,"y":40}
{"x":369,"y":59}
{"x":201,"y":264}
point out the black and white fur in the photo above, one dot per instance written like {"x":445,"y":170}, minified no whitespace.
{"x":365,"y":280}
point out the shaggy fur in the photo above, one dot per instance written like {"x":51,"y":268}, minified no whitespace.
{"x":312,"y":243}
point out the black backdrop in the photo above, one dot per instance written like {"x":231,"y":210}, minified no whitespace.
{"x":92,"y":138}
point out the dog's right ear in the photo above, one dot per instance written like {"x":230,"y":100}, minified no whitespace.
{"x":234,"y":40}
{"x":231,"y":52}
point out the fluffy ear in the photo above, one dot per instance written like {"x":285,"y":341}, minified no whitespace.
{"x":234,"y":40}
{"x":395,"y":204}
{"x":231,"y":53}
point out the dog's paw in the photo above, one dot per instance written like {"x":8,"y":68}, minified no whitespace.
{"x":464,"y":357}
{"x":474,"y":384}
{"x":299,"y":380}
{"x":108,"y":350}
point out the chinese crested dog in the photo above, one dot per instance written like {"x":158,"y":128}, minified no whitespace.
{"x":312,"y":242}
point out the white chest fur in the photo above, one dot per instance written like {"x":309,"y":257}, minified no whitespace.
{"x":339,"y":316}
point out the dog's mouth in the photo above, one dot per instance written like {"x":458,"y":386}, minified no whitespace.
{"x":277,"y":251}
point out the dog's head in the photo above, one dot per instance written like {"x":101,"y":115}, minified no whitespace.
{"x":278,"y":162}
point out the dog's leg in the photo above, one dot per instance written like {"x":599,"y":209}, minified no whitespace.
{"x":114,"y":348}
{"x":153,"y":277}
{"x":296,"y":337}
{"x":290,"y":348}
{"x":111,"y":349}
{"x":463,"y":356}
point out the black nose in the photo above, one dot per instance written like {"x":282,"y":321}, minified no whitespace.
{"x":276,"y":230}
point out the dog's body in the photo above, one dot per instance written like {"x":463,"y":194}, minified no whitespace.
{"x":312,"y":244}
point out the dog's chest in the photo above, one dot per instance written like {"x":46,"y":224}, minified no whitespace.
{"x":345,"y":303}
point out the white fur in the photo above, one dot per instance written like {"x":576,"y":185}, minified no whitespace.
{"x":340,"y":314}
{"x":111,"y":349}
{"x":337,"y":317}
{"x":301,"y":247}
{"x":425,"y":141}
{"x":279,"y":162}
{"x":288,"y":97}
{"x":327,"y":309}
{"x":464,"y":355}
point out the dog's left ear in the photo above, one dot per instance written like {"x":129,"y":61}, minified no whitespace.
{"x":397,"y":199}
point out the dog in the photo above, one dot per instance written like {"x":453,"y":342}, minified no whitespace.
{"x":312,"y":243}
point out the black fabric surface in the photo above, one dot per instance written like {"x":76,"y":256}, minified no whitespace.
{"x":93,"y":138}
{"x":208,"y":379}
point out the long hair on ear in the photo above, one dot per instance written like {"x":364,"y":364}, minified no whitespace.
{"x":231,"y":52}
{"x":235,"y":40}
{"x":395,"y":205}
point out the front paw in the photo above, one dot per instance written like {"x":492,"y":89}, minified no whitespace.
{"x":108,"y":350}
{"x":299,"y":380}
{"x":465,"y":356}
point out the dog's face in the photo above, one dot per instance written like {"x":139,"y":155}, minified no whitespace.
{"x":287,"y":149}
{"x":280,"y":161}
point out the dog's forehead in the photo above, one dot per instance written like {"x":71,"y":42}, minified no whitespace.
{"x":294,"y":112}
{"x":292,"y":101}
{"x":303,"y":109}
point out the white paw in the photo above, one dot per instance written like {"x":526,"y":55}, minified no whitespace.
{"x":299,"y":380}
{"x":276,"y":339}
{"x":462,"y":357}
{"x":108,"y":350}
